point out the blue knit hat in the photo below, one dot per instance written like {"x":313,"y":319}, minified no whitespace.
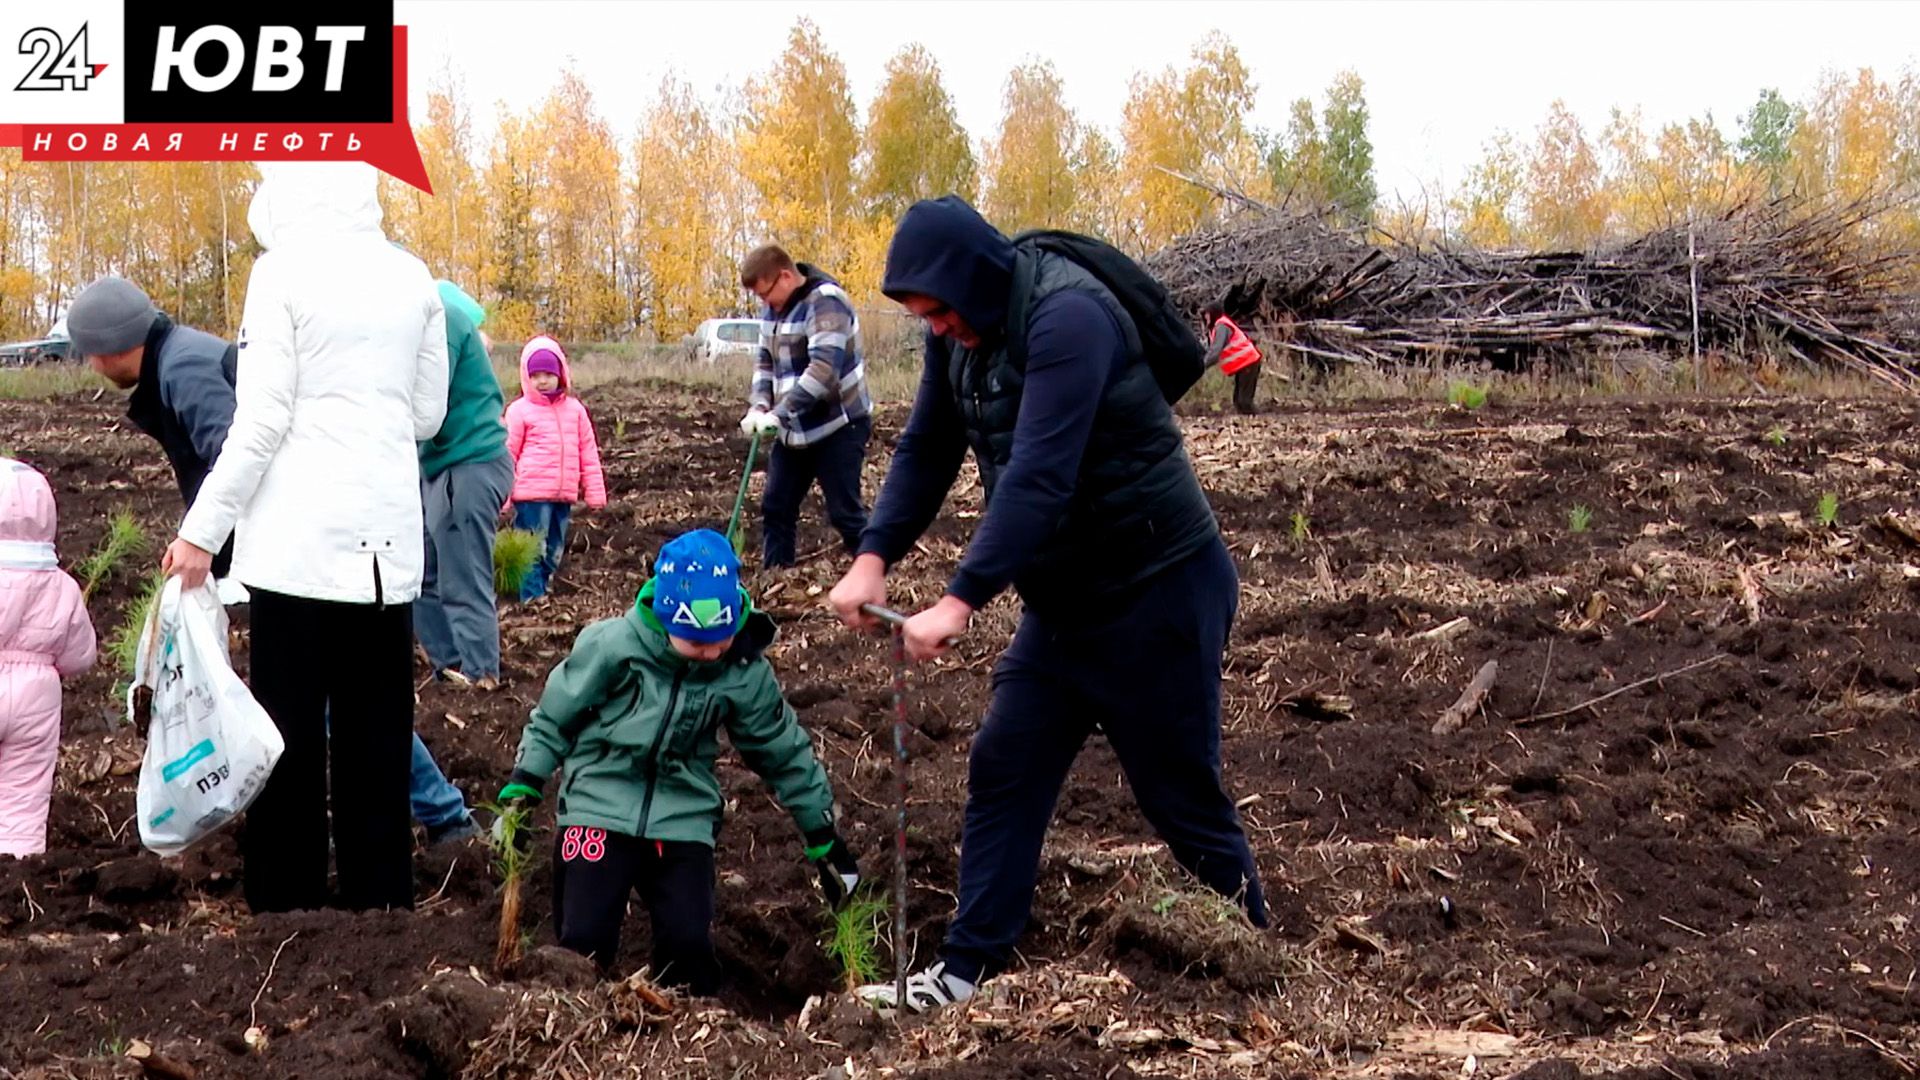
{"x":696,"y":592}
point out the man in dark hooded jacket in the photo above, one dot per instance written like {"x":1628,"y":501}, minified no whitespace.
{"x":1096,"y":519}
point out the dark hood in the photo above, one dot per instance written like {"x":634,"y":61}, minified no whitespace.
{"x":944,"y":249}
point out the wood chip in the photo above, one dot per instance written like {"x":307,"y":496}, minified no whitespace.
{"x":1350,"y":933}
{"x":1314,"y":705}
{"x":1445,"y":630}
{"x":158,"y":1065}
{"x":1469,"y":700}
{"x":1750,"y":593}
{"x":1453,"y":1044}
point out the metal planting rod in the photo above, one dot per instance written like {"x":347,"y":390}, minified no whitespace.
{"x":734,"y":534}
{"x":898,"y":623}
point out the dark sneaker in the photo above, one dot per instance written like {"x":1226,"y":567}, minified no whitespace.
{"x":462,"y":828}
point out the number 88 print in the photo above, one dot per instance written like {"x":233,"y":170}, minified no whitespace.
{"x":583,"y":843}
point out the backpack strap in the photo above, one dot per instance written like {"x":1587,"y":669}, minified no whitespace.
{"x":1026,"y":266}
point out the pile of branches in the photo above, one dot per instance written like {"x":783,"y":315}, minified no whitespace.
{"x":1780,"y":278}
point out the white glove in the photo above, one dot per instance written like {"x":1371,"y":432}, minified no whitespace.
{"x":760,"y":422}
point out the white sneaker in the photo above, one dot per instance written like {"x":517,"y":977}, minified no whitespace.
{"x":926,"y":990}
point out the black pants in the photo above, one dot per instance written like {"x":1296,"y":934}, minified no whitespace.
{"x":355,"y":660}
{"x":1244,"y":382}
{"x":595,"y":871}
{"x":835,"y":463}
{"x":1149,"y":674}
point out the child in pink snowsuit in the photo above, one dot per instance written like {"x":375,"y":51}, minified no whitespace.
{"x":555,"y":455}
{"x":44,"y":635}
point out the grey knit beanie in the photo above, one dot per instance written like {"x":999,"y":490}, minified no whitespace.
{"x":109,"y":316}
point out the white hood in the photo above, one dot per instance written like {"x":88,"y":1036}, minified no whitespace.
{"x":315,"y":200}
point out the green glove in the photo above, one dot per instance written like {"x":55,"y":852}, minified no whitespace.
{"x":518,"y":792}
{"x":834,"y":862}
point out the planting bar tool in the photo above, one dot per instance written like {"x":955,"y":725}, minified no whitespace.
{"x":734,"y":536}
{"x":899,"y":623}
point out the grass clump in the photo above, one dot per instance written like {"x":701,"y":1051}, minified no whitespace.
{"x":515,"y":551}
{"x":1466,"y":395}
{"x":125,"y":539}
{"x":1579,"y":519}
{"x":853,"y":938}
{"x":124,"y":645}
{"x":1827,"y":510}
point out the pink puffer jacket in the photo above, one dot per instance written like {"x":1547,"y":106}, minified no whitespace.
{"x":44,"y":634}
{"x":555,"y":456}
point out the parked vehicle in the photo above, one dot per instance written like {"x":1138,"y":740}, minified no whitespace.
{"x":717,"y":338}
{"x":55,"y":346}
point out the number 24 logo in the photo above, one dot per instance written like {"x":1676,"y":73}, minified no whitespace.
{"x":57,"y":65}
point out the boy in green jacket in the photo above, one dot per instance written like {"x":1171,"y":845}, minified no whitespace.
{"x":633,"y":715}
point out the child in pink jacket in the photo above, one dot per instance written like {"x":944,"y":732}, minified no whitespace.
{"x":555,"y":456}
{"x":44,"y":635}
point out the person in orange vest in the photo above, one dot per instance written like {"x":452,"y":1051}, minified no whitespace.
{"x":1228,"y":346}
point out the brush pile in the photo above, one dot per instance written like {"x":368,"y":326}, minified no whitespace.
{"x":1782,"y":279}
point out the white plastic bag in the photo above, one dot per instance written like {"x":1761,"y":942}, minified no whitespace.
{"x":210,"y":746}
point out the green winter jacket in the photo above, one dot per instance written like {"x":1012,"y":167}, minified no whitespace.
{"x":636,"y":727}
{"x":473,"y":430}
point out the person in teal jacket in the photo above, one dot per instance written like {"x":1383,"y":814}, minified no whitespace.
{"x":633,"y":715}
{"x":465,"y":474}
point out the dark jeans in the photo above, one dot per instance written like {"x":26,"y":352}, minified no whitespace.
{"x":595,"y":870}
{"x":312,"y":658}
{"x":1149,"y":675}
{"x":550,"y":520}
{"x":1244,"y":382}
{"x":835,"y":463}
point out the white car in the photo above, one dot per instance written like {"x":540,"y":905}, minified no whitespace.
{"x":717,"y":338}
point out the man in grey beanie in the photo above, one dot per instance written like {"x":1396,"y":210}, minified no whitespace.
{"x":181,"y":378}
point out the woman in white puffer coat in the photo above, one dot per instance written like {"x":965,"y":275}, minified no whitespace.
{"x":343,"y":367}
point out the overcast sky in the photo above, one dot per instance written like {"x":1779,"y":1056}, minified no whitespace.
{"x":1441,"y":77}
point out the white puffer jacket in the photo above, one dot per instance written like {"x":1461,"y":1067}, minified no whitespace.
{"x":343,"y":368}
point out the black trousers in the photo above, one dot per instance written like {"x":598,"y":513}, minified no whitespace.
{"x":594,"y":873}
{"x":835,"y":463}
{"x":1149,"y":675}
{"x":355,"y":660}
{"x":1244,"y":382}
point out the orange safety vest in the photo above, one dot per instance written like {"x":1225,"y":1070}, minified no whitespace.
{"x":1239,"y":352}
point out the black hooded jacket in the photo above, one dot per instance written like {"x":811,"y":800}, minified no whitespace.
{"x":1089,"y":490}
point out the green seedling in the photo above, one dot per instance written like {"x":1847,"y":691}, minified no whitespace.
{"x":619,"y":428}
{"x":515,"y":551}
{"x":853,"y":938}
{"x":510,"y":860}
{"x":1302,"y":527}
{"x":124,"y":645}
{"x":1827,"y":510}
{"x":125,"y":539}
{"x":1466,"y":395}
{"x":1777,"y":435}
{"x":1579,"y":519}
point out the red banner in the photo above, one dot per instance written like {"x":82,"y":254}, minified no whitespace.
{"x":389,"y":147}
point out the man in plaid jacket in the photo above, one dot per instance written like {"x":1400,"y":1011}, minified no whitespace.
{"x":809,"y":392}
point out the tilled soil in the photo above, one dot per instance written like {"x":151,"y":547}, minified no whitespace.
{"x":1676,"y":838}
